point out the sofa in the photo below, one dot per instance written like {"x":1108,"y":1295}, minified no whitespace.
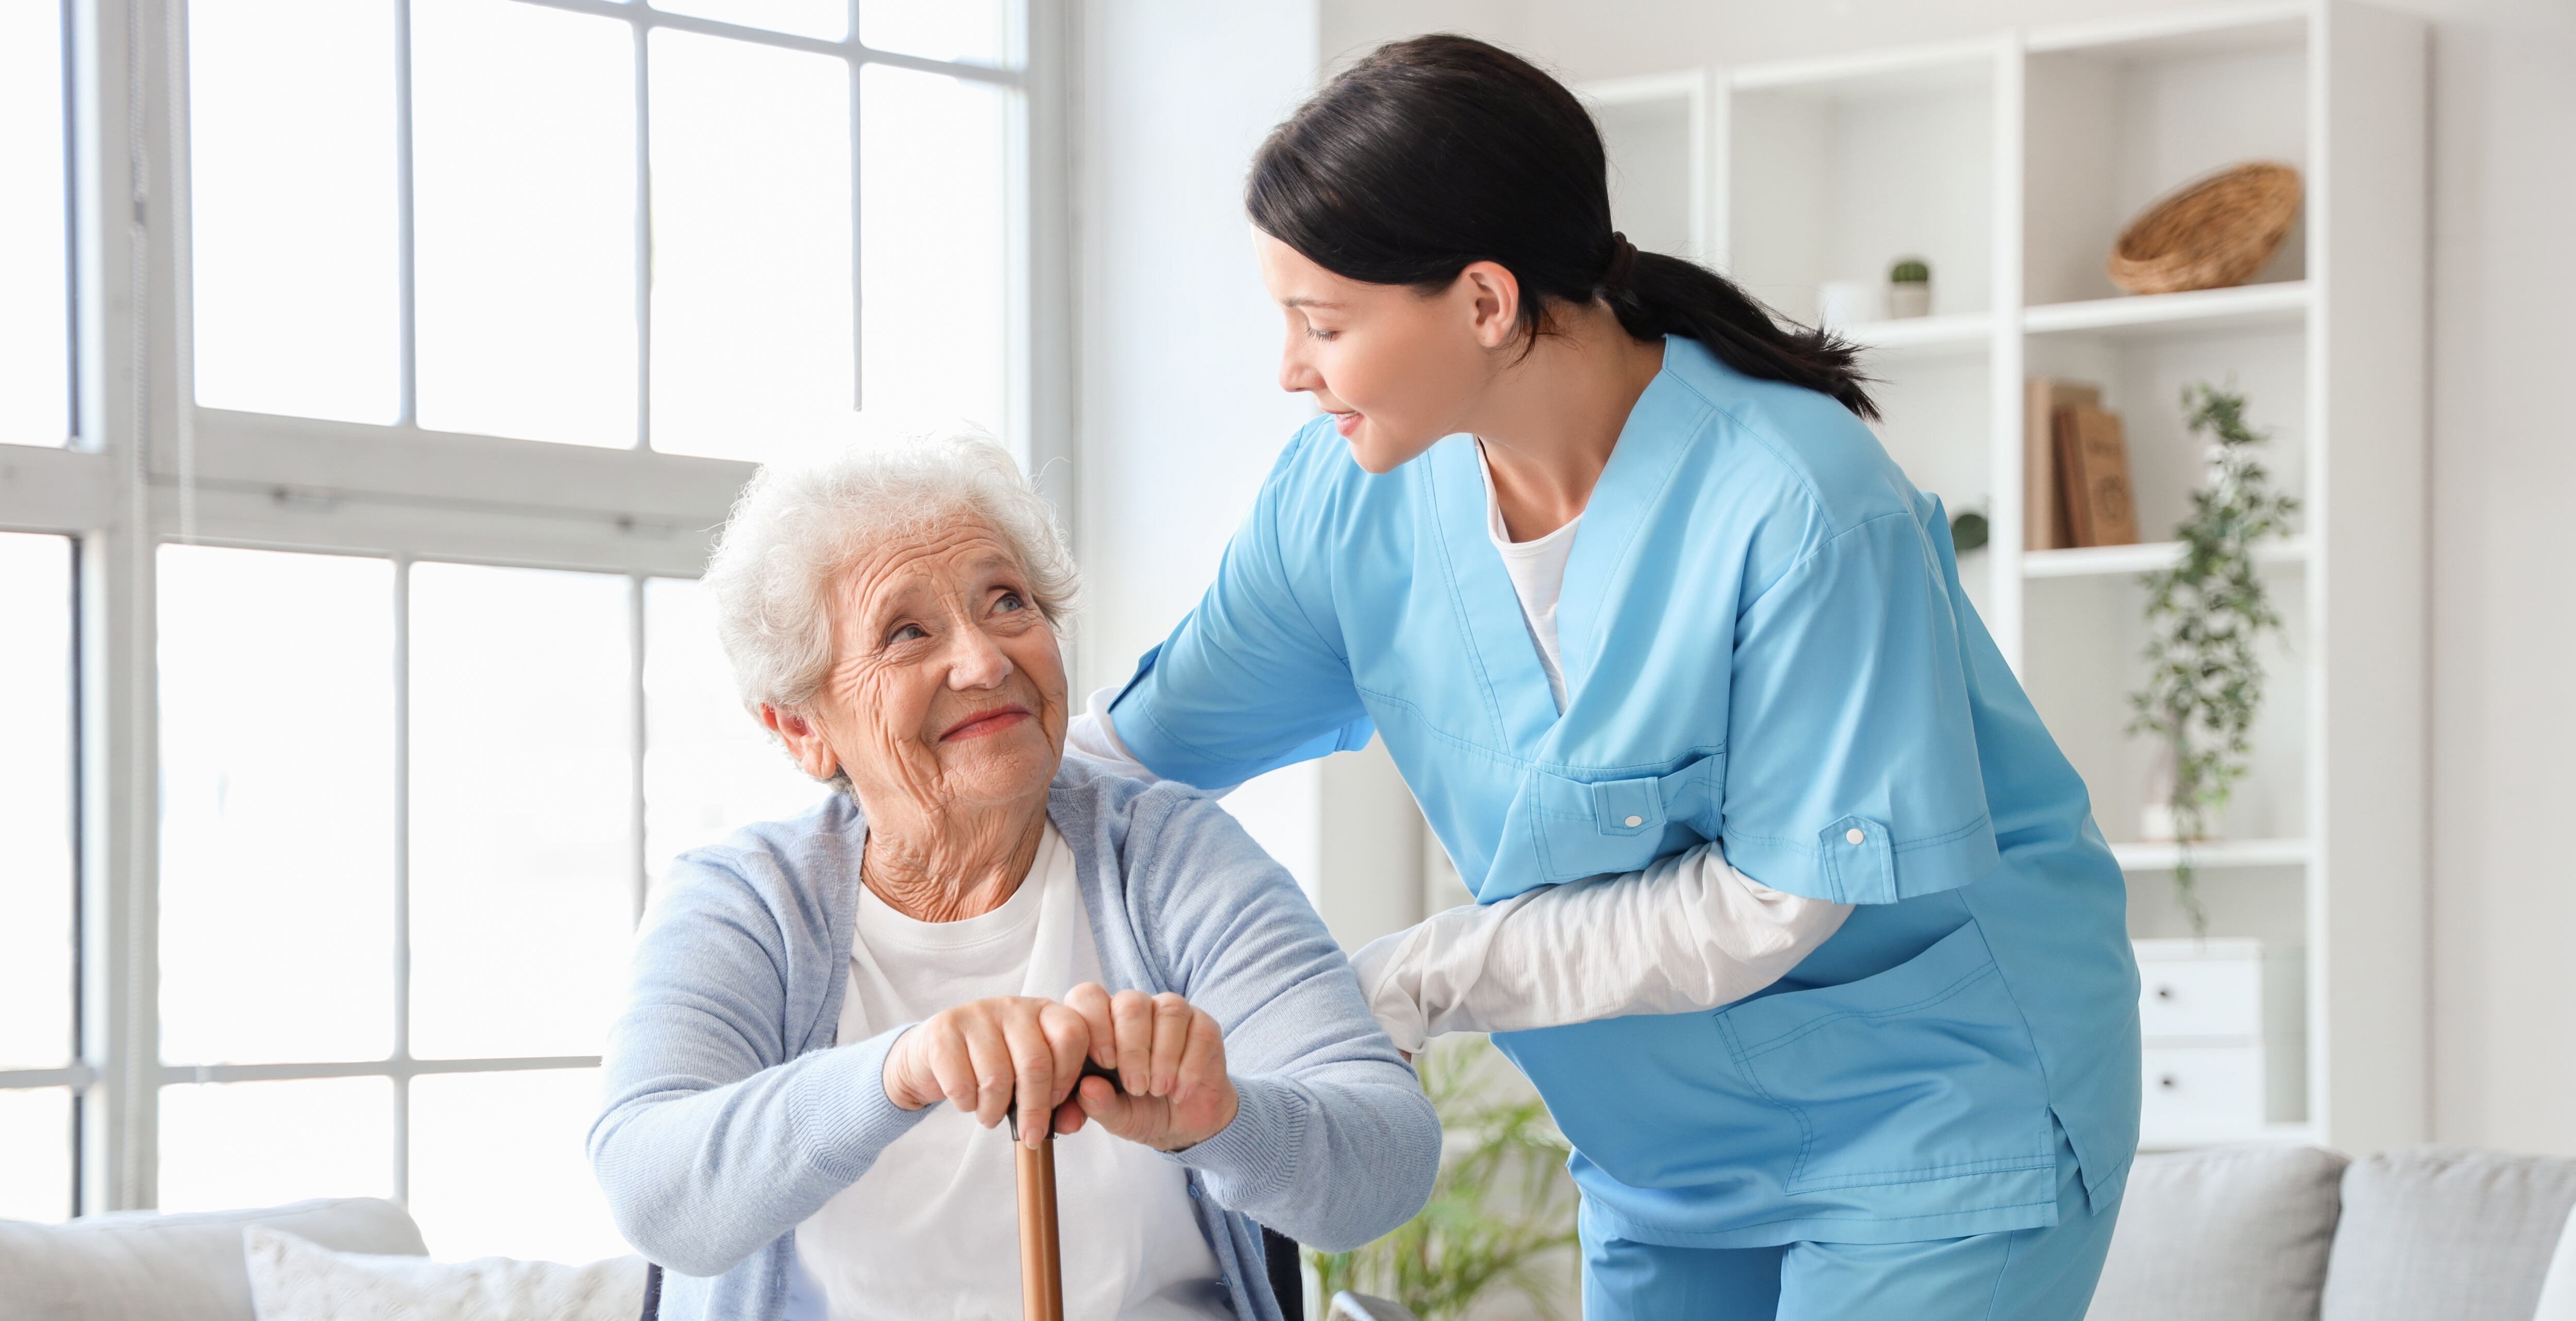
{"x":2271,"y":1233}
{"x":140,"y":1266}
{"x":2228,"y":1234}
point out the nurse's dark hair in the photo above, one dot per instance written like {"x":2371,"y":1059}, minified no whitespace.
{"x":1439,"y":151}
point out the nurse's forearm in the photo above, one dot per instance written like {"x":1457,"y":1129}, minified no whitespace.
{"x":1688,"y":933}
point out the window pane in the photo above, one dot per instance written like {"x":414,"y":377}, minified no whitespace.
{"x":35,"y":805}
{"x":246,"y":1144}
{"x":523,"y":171}
{"x":969,"y":30}
{"x":522,"y":799}
{"x":751,"y":249}
{"x":277,"y":798}
{"x":829,"y":19}
{"x":474,"y":1135}
{"x":934,"y":265}
{"x":35,"y":302}
{"x":291,"y":157}
{"x":709,"y":767}
{"x":36,"y":1154}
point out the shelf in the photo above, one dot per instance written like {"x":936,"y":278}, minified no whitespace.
{"x":2136,"y":857}
{"x":2281,"y":303}
{"x":2144,"y":557}
{"x":1958,"y":330}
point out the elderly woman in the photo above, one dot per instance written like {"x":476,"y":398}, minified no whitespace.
{"x":828,"y":1014}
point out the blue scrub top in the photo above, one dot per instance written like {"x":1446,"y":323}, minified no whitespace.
{"x":1764,"y":642}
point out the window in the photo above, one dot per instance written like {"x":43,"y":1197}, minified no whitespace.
{"x":355,"y":684}
{"x":418,"y":784}
{"x":38,"y":1078}
{"x":769,"y":230}
{"x":35,"y":233}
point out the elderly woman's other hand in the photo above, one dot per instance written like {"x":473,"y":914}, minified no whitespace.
{"x":978,"y":1055}
{"x":1170,"y":1060}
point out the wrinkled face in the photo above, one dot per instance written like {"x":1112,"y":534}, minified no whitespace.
{"x":1397,"y":369}
{"x":947,"y":688}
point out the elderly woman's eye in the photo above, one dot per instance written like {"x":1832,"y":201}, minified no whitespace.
{"x":1009,"y":600}
{"x":908,"y":633}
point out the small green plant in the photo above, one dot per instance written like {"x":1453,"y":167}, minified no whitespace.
{"x":1501,"y":1205}
{"x":1910,"y":270}
{"x":2204,"y":682}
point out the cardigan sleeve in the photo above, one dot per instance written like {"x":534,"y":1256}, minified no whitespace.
{"x":713,"y":1143}
{"x":1334,"y":1143}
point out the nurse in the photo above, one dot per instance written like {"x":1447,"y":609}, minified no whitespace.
{"x":1610,"y":560}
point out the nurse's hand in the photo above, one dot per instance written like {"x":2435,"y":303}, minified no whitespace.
{"x":978,"y":1055}
{"x":1172,"y":1089}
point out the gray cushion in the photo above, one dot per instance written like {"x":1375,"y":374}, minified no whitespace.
{"x":143,"y":1266}
{"x":2446,"y":1232}
{"x":2227,"y":1234}
{"x":2558,"y":1291}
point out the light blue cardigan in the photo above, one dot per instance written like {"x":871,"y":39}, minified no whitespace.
{"x":731,"y":1117}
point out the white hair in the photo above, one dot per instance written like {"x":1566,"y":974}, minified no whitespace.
{"x":797,"y":528}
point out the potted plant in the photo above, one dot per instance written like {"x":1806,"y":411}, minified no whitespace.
{"x":1501,"y":1205}
{"x":2204,"y":614}
{"x":1909,"y":288}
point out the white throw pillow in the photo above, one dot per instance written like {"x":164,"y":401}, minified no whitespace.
{"x":2558,"y":1287}
{"x":295,"y":1279}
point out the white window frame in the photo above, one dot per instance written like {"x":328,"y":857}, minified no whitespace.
{"x":146,"y":466}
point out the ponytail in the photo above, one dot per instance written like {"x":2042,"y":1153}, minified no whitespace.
{"x":1669,"y":296}
{"x":1439,"y":151}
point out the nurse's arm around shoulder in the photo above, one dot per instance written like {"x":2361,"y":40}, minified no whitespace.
{"x":1689,"y":932}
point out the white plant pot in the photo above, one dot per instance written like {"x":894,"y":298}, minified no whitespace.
{"x":1910,"y":298}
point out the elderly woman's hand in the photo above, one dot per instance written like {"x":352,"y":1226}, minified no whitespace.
{"x":1170,"y":1057}
{"x":978,"y":1055}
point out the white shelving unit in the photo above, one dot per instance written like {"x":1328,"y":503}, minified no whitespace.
{"x":2010,"y":164}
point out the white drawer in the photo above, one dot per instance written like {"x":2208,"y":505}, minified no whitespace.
{"x":2207,"y":997}
{"x":2201,"y":1093}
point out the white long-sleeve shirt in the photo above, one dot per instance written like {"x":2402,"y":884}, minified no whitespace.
{"x":1688,"y":932}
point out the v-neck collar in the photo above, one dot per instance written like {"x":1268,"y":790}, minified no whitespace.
{"x":1659,"y":428}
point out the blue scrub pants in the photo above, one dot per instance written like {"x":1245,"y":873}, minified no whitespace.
{"x":2022,"y":1275}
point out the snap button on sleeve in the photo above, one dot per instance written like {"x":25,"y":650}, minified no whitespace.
{"x":1854,"y":835}
{"x":1636,"y":821}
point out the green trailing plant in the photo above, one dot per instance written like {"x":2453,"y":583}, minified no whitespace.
{"x":1501,"y":1206}
{"x":2204,"y":682}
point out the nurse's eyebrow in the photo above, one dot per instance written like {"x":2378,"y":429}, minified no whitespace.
{"x":1307,"y":302}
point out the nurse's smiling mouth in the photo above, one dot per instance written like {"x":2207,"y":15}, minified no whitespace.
{"x":1346,"y":423}
{"x":983,"y":723}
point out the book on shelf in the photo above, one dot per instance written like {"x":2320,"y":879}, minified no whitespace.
{"x":2093,"y":466}
{"x":2043,"y":515}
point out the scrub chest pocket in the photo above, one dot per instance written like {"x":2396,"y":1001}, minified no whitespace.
{"x":1604,"y":827}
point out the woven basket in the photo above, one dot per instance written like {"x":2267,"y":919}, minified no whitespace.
{"x":2210,"y":233}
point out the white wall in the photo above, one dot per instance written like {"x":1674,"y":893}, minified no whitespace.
{"x":1180,"y":409}
{"x":2503,"y":645}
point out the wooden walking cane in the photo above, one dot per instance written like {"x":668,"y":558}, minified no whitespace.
{"x":1041,"y":1262}
{"x":1041,"y":1267}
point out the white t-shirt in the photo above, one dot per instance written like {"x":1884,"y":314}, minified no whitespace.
{"x":1537,"y":569}
{"x":932,"y":1229}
